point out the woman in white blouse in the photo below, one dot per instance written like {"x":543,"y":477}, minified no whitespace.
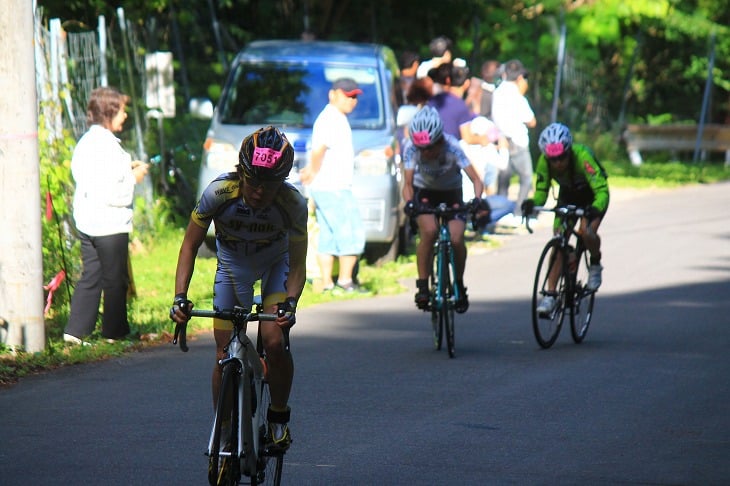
{"x":105,"y":175}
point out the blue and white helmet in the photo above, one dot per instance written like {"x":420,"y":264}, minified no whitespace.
{"x":426,"y":127}
{"x":555,"y":140}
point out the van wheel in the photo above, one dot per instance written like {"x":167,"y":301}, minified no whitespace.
{"x":406,"y":234}
{"x":379,"y":253}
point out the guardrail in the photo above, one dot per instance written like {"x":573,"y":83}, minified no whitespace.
{"x":715,"y":138}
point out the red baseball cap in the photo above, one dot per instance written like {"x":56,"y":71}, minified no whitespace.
{"x":348,"y":86}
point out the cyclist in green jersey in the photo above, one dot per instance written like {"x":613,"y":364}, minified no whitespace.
{"x":582,"y":182}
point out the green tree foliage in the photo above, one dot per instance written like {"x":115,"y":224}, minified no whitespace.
{"x":627,"y":61}
{"x":60,"y":246}
{"x":642,"y":61}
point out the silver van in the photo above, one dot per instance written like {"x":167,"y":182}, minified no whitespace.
{"x":285,"y":83}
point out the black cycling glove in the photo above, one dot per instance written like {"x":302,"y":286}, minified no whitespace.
{"x":479,"y":204}
{"x":288,"y":308}
{"x":528,"y":207}
{"x":410,"y":209}
{"x":180,"y":302}
{"x":589,"y":212}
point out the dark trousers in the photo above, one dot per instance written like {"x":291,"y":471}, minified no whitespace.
{"x":105,"y":270}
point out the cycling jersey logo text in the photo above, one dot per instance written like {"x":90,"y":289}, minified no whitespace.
{"x":261,"y":227}
{"x":228,"y":189}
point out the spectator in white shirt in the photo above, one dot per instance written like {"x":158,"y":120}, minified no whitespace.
{"x":105,"y":175}
{"x":329,"y":176}
{"x":513,"y":115}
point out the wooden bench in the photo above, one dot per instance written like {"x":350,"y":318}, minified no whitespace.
{"x":715,"y":138}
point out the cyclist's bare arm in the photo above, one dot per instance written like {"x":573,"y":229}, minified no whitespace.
{"x":297,"y":268}
{"x":310,"y":171}
{"x":475,"y":180}
{"x":194,"y":237}
{"x":295,"y":281}
{"x":408,"y":184}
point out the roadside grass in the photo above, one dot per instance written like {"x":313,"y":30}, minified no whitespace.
{"x":154,"y":258}
{"x":664,"y":174}
{"x":153,"y":264}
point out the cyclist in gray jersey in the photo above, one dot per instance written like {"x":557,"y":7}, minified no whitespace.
{"x":433,"y":162}
{"x":261,"y":234}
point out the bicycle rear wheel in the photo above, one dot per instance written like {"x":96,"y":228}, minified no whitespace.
{"x":582,"y":309}
{"x":447,"y":309}
{"x":437,"y":323}
{"x":270,"y":464}
{"x":223,"y":465}
{"x":448,"y":316}
{"x":547,"y":328}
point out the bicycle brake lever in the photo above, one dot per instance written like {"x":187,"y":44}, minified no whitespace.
{"x":284,"y":330}
{"x":180,"y":329}
{"x":287,"y":347}
{"x":527,"y":224}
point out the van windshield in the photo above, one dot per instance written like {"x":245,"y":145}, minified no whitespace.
{"x":294,"y":94}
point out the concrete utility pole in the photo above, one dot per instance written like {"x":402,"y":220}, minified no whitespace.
{"x":21,"y":260}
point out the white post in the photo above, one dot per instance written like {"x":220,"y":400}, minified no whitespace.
{"x":55,"y":28}
{"x":21,"y":261}
{"x":65,"y":93}
{"x":102,"y":50}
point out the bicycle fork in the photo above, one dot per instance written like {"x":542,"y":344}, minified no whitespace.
{"x":455,"y":291}
{"x":235,"y":363}
{"x":255,"y":378}
{"x":445,"y":295}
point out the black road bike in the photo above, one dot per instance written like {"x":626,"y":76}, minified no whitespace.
{"x":565,"y":261}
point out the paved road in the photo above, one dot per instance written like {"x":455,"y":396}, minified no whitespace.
{"x":644,"y":400}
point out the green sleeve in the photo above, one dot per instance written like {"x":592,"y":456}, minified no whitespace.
{"x":594,"y":174}
{"x":542,"y":181}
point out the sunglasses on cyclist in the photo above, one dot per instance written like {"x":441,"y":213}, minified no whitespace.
{"x":558,"y":159}
{"x":259,"y":184}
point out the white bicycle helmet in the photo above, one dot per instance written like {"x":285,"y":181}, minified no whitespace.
{"x":426,"y":127}
{"x":555,"y":140}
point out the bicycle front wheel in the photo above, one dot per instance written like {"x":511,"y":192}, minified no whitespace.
{"x":448,"y":316}
{"x":436,"y":321}
{"x":546,"y":326}
{"x":438,"y":329}
{"x":582,"y":309}
{"x":447,"y":290}
{"x":270,"y":464}
{"x":249,"y":433}
{"x":223,"y":465}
